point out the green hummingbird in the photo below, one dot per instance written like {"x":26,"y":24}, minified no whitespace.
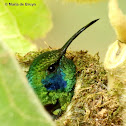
{"x":53,"y":76}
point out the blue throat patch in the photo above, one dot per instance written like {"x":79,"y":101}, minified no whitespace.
{"x":55,"y":81}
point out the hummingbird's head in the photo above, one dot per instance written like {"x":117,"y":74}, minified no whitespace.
{"x":53,"y":70}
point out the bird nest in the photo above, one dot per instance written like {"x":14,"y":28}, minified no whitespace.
{"x":92,"y":104}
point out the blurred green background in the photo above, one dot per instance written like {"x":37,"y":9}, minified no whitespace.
{"x":69,"y":17}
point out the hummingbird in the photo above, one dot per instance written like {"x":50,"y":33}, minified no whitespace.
{"x":53,"y":76}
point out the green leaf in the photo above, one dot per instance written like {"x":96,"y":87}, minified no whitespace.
{"x":19,"y":21}
{"x":19,"y":105}
{"x":32,"y":16}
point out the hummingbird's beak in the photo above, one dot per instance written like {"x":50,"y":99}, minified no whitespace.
{"x":64,"y":48}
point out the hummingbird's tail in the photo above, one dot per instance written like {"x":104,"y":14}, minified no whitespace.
{"x":64,"y":48}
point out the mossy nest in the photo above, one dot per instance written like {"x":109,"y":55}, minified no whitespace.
{"x":92,"y":104}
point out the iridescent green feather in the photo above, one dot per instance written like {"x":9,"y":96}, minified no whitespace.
{"x":69,"y":69}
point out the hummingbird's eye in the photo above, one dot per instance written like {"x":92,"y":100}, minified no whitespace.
{"x":51,"y":68}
